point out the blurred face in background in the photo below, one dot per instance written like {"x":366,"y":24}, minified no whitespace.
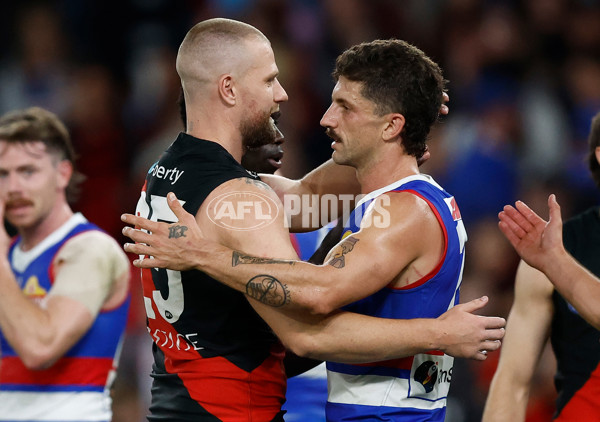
{"x":32,"y":182}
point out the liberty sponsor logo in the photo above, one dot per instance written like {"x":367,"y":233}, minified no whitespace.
{"x":161,"y":172}
{"x":242,"y":210}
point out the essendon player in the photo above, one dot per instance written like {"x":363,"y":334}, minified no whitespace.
{"x":557,"y":292}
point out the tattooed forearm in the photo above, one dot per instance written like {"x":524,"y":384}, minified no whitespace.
{"x":338,"y":259}
{"x":238,"y":258}
{"x":177,"y":231}
{"x":268,"y":290}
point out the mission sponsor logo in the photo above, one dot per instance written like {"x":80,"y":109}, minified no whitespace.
{"x":429,"y":373}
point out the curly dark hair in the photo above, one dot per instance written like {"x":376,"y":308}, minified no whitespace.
{"x":593,"y":143}
{"x":35,"y":123}
{"x":398,"y":78}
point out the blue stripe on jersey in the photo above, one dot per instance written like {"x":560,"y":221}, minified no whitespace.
{"x":52,"y":388}
{"x":340,"y":412}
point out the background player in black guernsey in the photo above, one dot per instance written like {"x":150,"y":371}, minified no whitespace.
{"x":556,"y":292}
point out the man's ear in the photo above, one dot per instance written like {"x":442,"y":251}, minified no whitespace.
{"x":393,"y":126}
{"x":597,"y":152}
{"x":65,"y":171}
{"x":227,"y":90}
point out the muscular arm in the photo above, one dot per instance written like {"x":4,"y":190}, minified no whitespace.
{"x":339,"y":336}
{"x":527,"y":331}
{"x":540,"y":244}
{"x":41,"y":334}
{"x":400,"y":241}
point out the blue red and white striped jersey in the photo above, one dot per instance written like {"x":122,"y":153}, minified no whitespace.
{"x":413,"y":388}
{"x":76,"y":386}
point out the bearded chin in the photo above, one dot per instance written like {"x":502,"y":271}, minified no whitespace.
{"x":257,"y":133}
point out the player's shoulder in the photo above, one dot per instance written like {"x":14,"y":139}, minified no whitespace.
{"x":243,"y":188}
{"x":92,"y":243}
{"x":404,"y":204}
{"x":242,"y":206}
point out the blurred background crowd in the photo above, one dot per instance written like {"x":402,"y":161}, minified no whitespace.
{"x":524,"y":84}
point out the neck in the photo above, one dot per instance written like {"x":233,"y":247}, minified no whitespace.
{"x":32,"y":236}
{"x":380,"y":173}
{"x":222,"y":130}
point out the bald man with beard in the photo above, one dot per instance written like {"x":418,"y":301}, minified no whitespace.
{"x":218,"y":354}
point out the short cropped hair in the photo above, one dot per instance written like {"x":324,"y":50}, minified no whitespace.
{"x":594,"y":142}
{"x":37,"y":124}
{"x":398,"y":78}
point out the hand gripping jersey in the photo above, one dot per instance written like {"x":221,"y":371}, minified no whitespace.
{"x":214,"y":357}
{"x":414,"y":388}
{"x":76,"y":387}
{"x":576,"y":343}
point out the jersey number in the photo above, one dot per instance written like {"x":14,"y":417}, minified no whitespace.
{"x":170,"y":308}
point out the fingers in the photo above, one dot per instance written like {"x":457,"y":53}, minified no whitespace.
{"x":149,"y":263}
{"x":495,"y":333}
{"x":140,"y":222}
{"x":492,"y":322}
{"x":138,"y":235}
{"x":527,"y":213}
{"x":554,"y":209}
{"x":426,"y":156}
{"x":509,"y":233}
{"x":444,"y":108}
{"x":474,"y":304}
{"x":176,"y":207}
{"x":490,"y":345}
{"x":516,"y":219}
{"x":138,"y":248}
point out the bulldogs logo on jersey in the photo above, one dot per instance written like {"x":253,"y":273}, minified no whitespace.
{"x":426,"y":374}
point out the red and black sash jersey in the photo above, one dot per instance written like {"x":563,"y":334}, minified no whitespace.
{"x":576,"y":343}
{"x":215,"y":358}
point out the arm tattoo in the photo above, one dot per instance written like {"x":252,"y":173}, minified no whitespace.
{"x":177,"y":231}
{"x":268,"y":290}
{"x":238,"y":258}
{"x":338,"y":259}
{"x":257,"y":183}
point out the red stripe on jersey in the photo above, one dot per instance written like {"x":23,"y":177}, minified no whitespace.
{"x":66,"y":371}
{"x":402,"y":363}
{"x":295,"y":244}
{"x":585,"y":403}
{"x":437,"y":268}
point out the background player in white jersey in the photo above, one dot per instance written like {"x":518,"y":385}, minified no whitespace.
{"x":64,"y":282}
{"x":380,"y":132}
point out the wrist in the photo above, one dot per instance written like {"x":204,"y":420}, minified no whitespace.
{"x":554,"y":260}
{"x":435,"y":334}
